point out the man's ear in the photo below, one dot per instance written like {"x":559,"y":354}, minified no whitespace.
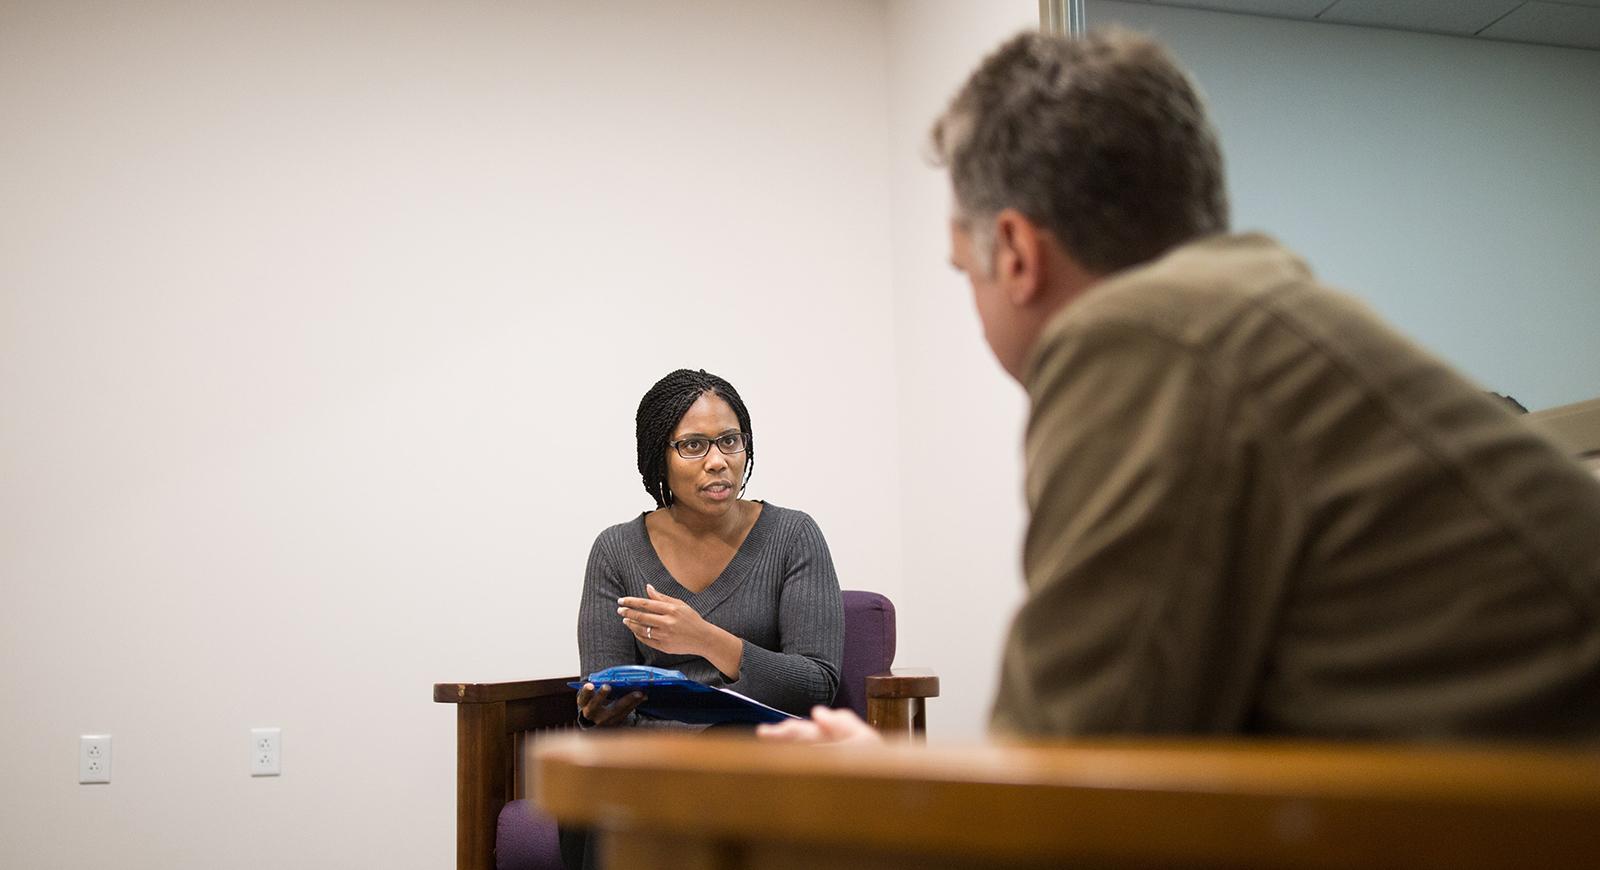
{"x":1019,"y":265}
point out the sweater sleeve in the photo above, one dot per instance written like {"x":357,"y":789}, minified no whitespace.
{"x":603,"y":641}
{"x":804,"y":671}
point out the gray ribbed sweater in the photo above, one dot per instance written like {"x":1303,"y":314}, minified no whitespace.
{"x":779,"y":595}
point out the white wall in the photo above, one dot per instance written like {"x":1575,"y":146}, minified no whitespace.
{"x":321,"y":331}
{"x":961,"y":496}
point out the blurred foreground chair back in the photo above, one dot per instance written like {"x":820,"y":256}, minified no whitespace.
{"x":728,"y":804}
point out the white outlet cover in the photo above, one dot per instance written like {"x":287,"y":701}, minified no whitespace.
{"x":266,"y":751}
{"x":94,"y":758}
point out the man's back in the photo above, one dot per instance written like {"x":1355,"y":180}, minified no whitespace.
{"x":1257,"y":509}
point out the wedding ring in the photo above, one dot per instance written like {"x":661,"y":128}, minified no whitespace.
{"x":647,"y":630}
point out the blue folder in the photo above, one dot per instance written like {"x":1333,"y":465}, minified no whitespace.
{"x":669,"y":694}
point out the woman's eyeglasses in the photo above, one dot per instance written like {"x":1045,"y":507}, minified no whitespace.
{"x":694,"y":448}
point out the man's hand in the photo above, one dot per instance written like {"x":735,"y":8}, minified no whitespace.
{"x":826,"y":725}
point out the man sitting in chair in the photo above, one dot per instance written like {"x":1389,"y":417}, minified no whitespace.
{"x":1254,"y":507}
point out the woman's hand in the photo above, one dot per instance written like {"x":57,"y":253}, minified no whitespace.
{"x":664,"y":623}
{"x":597,"y":707}
{"x":672,"y":626}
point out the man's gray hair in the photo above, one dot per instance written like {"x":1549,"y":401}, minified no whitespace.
{"x":1102,"y":140}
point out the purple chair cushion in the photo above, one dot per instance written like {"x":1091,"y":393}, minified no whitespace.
{"x":868,"y":646}
{"x":525,"y":839}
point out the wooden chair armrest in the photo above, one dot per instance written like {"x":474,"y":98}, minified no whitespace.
{"x":896,"y":701}
{"x":485,"y":693}
{"x":904,"y":683}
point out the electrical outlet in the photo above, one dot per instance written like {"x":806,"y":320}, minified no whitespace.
{"x":266,"y":751}
{"x":94,"y":758}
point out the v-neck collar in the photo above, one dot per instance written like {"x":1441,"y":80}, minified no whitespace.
{"x":713,"y":595}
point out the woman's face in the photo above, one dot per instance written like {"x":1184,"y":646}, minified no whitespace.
{"x":710,"y":484}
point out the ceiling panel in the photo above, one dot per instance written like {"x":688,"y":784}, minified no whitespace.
{"x":1460,"y":17}
{"x":1564,"y":23}
{"x":1276,"y":8}
{"x":1571,"y":23}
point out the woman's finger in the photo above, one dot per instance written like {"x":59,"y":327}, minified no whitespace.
{"x":644,"y":605}
{"x":595,"y":703}
{"x":658,"y":595}
{"x":632,"y":613}
{"x":648,"y":635}
{"x":618,"y":709}
{"x":658,"y":623}
{"x":627,"y":703}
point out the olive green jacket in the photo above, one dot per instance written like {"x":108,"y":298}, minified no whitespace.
{"x":1257,"y":509}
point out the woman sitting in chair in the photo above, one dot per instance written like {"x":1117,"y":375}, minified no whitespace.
{"x":733,"y":593}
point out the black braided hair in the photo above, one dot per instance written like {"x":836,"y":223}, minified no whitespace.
{"x":659,"y":412}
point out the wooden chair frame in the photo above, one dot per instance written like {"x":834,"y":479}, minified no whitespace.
{"x":496,"y":721}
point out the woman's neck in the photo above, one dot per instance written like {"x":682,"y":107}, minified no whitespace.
{"x":699,"y":525}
